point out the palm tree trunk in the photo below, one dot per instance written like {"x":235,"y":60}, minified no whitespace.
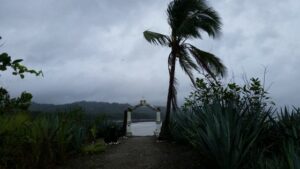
{"x":165,"y":132}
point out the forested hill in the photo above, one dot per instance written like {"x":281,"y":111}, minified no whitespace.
{"x":112,"y":110}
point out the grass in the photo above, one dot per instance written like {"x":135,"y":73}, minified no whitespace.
{"x":94,"y":148}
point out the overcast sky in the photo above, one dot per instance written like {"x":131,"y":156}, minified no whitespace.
{"x":94,"y":50}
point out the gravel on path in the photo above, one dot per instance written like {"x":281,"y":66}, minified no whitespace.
{"x":139,"y":153}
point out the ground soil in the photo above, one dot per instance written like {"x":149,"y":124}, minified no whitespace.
{"x":138,"y":153}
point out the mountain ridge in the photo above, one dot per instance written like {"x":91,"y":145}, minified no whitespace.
{"x":111,"y":110}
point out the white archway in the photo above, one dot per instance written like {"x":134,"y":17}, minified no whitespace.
{"x":143,"y":103}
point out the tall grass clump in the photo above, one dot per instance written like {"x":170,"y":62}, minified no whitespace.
{"x":235,"y":127}
{"x":45,"y":140}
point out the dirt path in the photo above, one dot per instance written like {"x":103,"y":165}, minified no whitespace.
{"x":139,"y":153}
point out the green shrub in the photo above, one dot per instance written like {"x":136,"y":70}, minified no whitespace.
{"x":208,"y":91}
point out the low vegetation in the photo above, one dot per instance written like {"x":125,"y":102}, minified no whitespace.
{"x":48,"y":139}
{"x":94,"y":148}
{"x":235,"y":127}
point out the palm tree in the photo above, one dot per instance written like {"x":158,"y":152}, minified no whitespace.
{"x":187,"y":20}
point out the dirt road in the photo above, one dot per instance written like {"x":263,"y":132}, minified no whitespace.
{"x":138,"y":153}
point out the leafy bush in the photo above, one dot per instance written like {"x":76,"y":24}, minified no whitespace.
{"x":208,"y":91}
{"x":10,"y":105}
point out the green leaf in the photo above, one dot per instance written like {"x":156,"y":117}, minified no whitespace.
{"x":17,"y":61}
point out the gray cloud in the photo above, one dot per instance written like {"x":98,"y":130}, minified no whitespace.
{"x":94,"y":50}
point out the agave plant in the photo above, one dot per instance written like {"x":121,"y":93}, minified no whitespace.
{"x":226,"y":137}
{"x":289,"y":123}
{"x":288,"y":158}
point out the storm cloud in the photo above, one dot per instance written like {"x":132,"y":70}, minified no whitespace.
{"x":94,"y":50}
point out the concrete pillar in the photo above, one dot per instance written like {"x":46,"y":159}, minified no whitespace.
{"x":158,"y":124}
{"x":158,"y":117}
{"x":128,"y":128}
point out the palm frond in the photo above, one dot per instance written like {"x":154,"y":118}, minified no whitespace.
{"x":156,"y":38}
{"x":178,"y":10}
{"x":209,"y":62}
{"x":189,"y":28}
{"x":210,"y":22}
{"x":188,"y":18}
{"x":187,"y":64}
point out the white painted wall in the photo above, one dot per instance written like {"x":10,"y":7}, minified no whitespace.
{"x":143,"y":128}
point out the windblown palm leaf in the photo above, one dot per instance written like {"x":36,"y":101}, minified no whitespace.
{"x":156,"y":38}
{"x":187,"y":20}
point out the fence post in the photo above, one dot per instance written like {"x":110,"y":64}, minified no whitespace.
{"x":128,"y":128}
{"x":158,"y":122}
